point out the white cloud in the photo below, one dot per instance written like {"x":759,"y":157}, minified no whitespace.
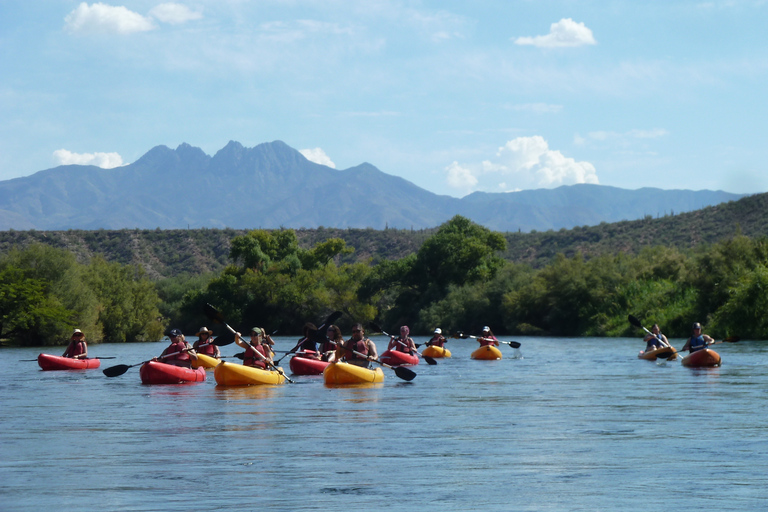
{"x":318,"y":156}
{"x":103,"y":18}
{"x":522,"y":163}
{"x":103,"y":160}
{"x":564,"y":33}
{"x":174,"y":14}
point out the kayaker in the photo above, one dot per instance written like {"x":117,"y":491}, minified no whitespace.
{"x":487,"y":338}
{"x":328,"y":346}
{"x":258,"y":352}
{"x":656,"y":339}
{"x":307,"y":344}
{"x":404,"y":343}
{"x":360,"y":344}
{"x":179,"y":352}
{"x":437,"y":340}
{"x":697,"y":341}
{"x":204,"y":344}
{"x":77,"y":348}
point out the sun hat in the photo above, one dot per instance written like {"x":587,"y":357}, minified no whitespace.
{"x":257,"y":330}
{"x":438,"y":331}
{"x":76,"y":331}
{"x":204,"y":330}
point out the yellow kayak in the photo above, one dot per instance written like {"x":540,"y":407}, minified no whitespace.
{"x":436,"y":352}
{"x":345,"y":373}
{"x":232,"y":374}
{"x":487,"y":353}
{"x":205,"y":361}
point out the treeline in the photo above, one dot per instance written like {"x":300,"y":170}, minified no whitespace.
{"x":456,"y":279}
{"x":45,"y":293}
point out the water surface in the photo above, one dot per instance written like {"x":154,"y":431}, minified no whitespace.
{"x":570,"y":424}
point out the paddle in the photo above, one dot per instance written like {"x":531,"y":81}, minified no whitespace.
{"x":729,"y":339}
{"x":513,"y":344}
{"x":637,"y":323}
{"x":116,"y":371}
{"x":214,"y":314}
{"x":429,"y":360}
{"x":400,"y":371}
{"x":323,"y":328}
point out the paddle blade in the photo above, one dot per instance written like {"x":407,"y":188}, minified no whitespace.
{"x":225,"y":339}
{"x":731,"y":339}
{"x":213,"y":314}
{"x":429,"y":360}
{"x":115,"y":371}
{"x":635,"y":321}
{"x":375,"y":327}
{"x":404,"y":373}
{"x":513,"y":344}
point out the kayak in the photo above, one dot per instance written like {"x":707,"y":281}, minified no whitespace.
{"x":155,"y":372}
{"x":436,"y":352}
{"x":487,"y":353}
{"x":306,"y":365}
{"x":345,"y":373}
{"x":702,"y":358}
{"x":50,"y":362}
{"x":205,"y":361}
{"x":233,"y":374}
{"x":659,"y":353}
{"x":397,"y":358}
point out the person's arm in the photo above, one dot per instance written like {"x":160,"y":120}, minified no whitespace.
{"x":708,"y":339}
{"x":68,"y":351}
{"x":372,"y":353}
{"x":84,"y":355}
{"x":687,"y":345}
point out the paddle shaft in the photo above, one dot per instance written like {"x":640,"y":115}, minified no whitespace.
{"x":513,"y":344}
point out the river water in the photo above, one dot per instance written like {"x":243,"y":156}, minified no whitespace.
{"x":560,"y":425}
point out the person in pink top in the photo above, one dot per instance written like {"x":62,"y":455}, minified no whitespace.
{"x":487,"y":338}
{"x":77,"y":348}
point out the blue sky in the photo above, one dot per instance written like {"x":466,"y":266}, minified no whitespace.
{"x":454,"y":96}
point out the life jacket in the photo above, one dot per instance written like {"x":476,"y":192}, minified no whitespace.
{"x":176,"y":347}
{"x":697,"y":343}
{"x":251,"y":359}
{"x":206,"y":348}
{"x":402,"y":345}
{"x":489,"y":340}
{"x":75,"y":348}
{"x":358,"y":346}
{"x":439,"y":342}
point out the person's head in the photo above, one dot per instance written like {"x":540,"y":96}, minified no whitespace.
{"x":486,"y":330}
{"x":655,"y":329}
{"x":204,"y":333}
{"x":257,"y":333}
{"x":78,"y":335}
{"x":358,"y":332}
{"x":334,"y":333}
{"x":438,"y":332}
{"x":176,"y":335}
{"x":309,"y":329}
{"x":696,"y":328}
{"x":404,"y":331}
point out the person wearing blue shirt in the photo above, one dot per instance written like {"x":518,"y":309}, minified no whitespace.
{"x":697,"y":341}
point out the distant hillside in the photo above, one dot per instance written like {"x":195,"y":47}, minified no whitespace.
{"x":165,"y":253}
{"x":273,"y":185}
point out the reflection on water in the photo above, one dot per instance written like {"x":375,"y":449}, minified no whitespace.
{"x":548,"y":431}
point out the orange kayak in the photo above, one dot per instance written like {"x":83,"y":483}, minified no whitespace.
{"x":702,"y":358}
{"x":659,"y":353}
{"x":487,"y":353}
{"x":436,"y":352}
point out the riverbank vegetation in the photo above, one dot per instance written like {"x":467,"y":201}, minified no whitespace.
{"x":457,"y":278}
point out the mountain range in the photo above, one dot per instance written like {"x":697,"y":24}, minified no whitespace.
{"x":273,"y":185}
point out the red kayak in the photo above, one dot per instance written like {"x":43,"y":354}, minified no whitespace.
{"x":306,"y":365}
{"x":155,"y":372}
{"x":48,"y":362}
{"x":397,"y":358}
